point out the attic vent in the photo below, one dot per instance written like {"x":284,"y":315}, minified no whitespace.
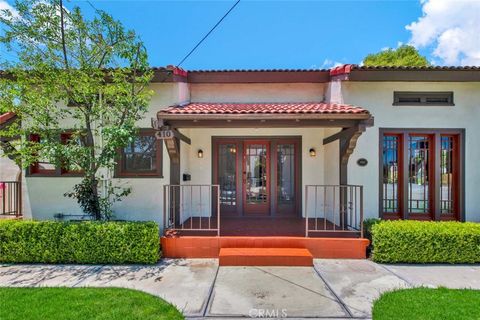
{"x":402,"y":98}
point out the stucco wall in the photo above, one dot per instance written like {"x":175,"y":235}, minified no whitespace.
{"x":378,"y":97}
{"x":257,"y":92}
{"x":313,"y":168}
{"x":145,"y":202}
{"x":46,"y":195}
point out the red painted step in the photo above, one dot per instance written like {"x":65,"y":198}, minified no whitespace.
{"x":297,"y":257}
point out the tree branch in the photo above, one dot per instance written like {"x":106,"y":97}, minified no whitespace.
{"x":62,"y":29}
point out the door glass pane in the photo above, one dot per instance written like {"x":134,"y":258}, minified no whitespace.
{"x":256,"y":173}
{"x":418,"y":174}
{"x":390,"y":174}
{"x":447,"y":175}
{"x":286,"y":173}
{"x":227,"y":177}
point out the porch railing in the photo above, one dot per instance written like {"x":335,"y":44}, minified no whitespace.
{"x":193,"y":207}
{"x":10,"y":198}
{"x":333,"y":209}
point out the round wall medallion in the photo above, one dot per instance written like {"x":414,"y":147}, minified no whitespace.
{"x":362,"y":162}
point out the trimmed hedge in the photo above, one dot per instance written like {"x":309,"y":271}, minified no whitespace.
{"x":79,"y":242}
{"x":426,"y":242}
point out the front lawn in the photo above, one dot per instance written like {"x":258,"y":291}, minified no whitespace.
{"x":82,"y":303}
{"x":425,"y":303}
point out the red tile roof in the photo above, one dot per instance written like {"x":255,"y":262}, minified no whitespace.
{"x":6,"y":116}
{"x":265,"y":108}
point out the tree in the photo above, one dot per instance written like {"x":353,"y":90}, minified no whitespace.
{"x":403,"y":56}
{"x":89,"y":77}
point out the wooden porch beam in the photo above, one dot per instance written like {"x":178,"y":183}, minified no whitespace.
{"x":345,"y":133}
{"x":173,"y":149}
{"x":348,"y":141}
{"x":348,"y":132}
{"x":161,"y":125}
{"x":181,"y":136}
{"x":348,"y":144}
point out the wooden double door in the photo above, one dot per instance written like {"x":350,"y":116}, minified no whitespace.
{"x":258,"y":176}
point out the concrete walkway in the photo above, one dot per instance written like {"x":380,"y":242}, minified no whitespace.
{"x":199,"y":288}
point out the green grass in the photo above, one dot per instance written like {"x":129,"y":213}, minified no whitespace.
{"x":82,"y":303}
{"x":425,"y":303}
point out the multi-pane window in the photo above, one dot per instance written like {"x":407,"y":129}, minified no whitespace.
{"x":420,"y":174}
{"x":391,"y":158}
{"x":227,"y":177}
{"x":43,"y":167}
{"x":141,"y":157}
{"x":256,"y":173}
{"x":286,"y":173}
{"x":448,"y":175}
{"x":414,"y":98}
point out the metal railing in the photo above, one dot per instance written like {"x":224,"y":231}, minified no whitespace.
{"x":333,"y":209}
{"x":10,"y":198}
{"x":191,"y":207}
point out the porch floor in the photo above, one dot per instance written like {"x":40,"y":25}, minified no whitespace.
{"x":262,"y":227}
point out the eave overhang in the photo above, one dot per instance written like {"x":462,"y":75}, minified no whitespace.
{"x":263,"y":115}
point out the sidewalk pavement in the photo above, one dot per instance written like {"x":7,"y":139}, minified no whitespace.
{"x":199,"y":288}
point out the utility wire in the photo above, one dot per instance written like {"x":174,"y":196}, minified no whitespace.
{"x":208,"y":33}
{"x":93,"y":7}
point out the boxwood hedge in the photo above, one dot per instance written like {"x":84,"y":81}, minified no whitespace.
{"x":426,"y":242}
{"x":78,"y":242}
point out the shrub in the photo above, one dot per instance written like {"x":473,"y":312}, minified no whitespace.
{"x":367,"y":231}
{"x":367,"y":227}
{"x":426,"y":242}
{"x":78,"y":242}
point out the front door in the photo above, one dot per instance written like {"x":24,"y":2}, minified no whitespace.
{"x":256,"y":177}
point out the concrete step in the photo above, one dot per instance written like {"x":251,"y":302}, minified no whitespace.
{"x":295,"y":257}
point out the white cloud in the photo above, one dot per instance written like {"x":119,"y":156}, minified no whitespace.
{"x":328,"y":64}
{"x":451,"y":28}
{"x":4,"y":5}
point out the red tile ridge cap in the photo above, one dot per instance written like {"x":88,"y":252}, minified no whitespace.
{"x":343,"y":69}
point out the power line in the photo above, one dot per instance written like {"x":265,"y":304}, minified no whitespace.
{"x":93,"y":7}
{"x":208,"y":33}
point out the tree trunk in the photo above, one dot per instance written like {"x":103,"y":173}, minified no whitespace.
{"x":97,"y":213}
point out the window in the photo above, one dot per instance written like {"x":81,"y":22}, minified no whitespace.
{"x":420,"y":174}
{"x":391,"y":173}
{"x":142,"y":157}
{"x":66,"y":138}
{"x":401,"y":98}
{"x":44,"y":168}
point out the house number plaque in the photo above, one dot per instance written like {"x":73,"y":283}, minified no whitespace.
{"x":362,"y":162}
{"x":164,"y":134}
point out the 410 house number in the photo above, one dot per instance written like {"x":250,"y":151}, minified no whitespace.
{"x":164,"y":134}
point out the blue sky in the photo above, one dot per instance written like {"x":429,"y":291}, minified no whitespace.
{"x":297,"y":34}
{"x":264,"y":34}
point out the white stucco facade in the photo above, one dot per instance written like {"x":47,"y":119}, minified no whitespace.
{"x":45,"y":195}
{"x":377,"y":98}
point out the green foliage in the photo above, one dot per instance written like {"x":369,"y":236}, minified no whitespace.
{"x":367,"y":231}
{"x":367,"y":227}
{"x":83,"y":303}
{"x":403,"y":56}
{"x":427,"y":303}
{"x":89,"y":77}
{"x":426,"y":242}
{"x":79,"y":242}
